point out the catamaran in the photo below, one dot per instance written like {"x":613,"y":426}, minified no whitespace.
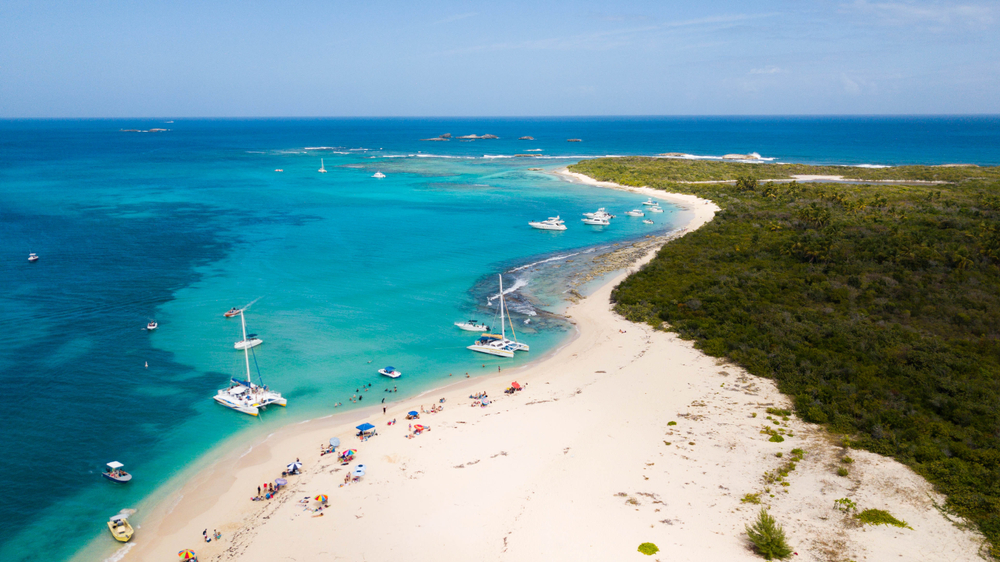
{"x":322,"y":167}
{"x":245,"y":396}
{"x":498,"y":344}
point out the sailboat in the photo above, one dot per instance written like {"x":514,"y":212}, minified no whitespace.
{"x":249,"y":340}
{"x":322,"y":167}
{"x":498,"y":344}
{"x":245,"y":396}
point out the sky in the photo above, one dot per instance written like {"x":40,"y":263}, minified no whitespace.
{"x":259,"y":58}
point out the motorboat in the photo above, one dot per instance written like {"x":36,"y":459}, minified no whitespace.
{"x":278,"y":170}
{"x":473,"y":326}
{"x":115,"y":473}
{"x":596,"y":222}
{"x":650,"y":202}
{"x":120,"y":528}
{"x":390,"y":372}
{"x":152,"y":325}
{"x":498,"y":344}
{"x":552,"y":223}
{"x":32,"y":257}
{"x":379,"y":175}
{"x":647,"y":221}
{"x":249,"y":340}
{"x":232,"y":312}
{"x":635,"y":213}
{"x":244,"y":395}
{"x":601,"y":213}
{"x":322,"y":167}
{"x":656,"y":209}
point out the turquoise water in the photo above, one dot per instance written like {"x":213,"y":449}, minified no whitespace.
{"x":347,"y":273}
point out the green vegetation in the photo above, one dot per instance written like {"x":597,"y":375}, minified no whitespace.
{"x":876,"y":308}
{"x":845,"y":505}
{"x":751,"y":498}
{"x":841,"y":471}
{"x":880,"y":517}
{"x":847,"y":460}
{"x":648,"y":548}
{"x":671,"y":423}
{"x":768,"y":537}
{"x":779,"y":412}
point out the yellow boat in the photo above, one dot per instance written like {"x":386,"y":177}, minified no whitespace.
{"x":120,"y":529}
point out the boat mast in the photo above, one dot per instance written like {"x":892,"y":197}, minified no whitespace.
{"x":246,"y":354}
{"x":503,"y":334}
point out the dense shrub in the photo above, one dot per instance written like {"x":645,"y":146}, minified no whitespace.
{"x":876,"y":308}
{"x":768,"y":537}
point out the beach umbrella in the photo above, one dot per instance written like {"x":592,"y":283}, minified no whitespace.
{"x":349,"y":452}
{"x":335,"y":442}
{"x":413,"y":413}
{"x":281,"y":481}
{"x":187,"y":554}
{"x":366,"y":427}
{"x":322,"y":498}
{"x":292,"y":467}
{"x":418,"y":427}
{"x":515,"y":386}
{"x":359,"y":470}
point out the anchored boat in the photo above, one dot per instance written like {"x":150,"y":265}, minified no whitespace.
{"x":498,"y":344}
{"x":115,"y":473}
{"x":245,"y":396}
{"x":120,"y":528}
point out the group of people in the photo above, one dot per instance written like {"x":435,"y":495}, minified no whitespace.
{"x":267,"y":492}
{"x":215,"y":535}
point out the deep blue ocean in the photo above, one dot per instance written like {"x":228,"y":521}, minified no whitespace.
{"x":347,"y":273}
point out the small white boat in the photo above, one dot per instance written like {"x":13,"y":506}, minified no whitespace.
{"x":322,"y":167}
{"x":152,"y":326}
{"x":390,"y":372}
{"x":32,"y":257}
{"x":278,"y":170}
{"x":552,"y":223}
{"x":596,"y":222}
{"x":599,"y":214}
{"x":473,"y":326}
{"x":650,"y":202}
{"x":656,"y":209}
{"x":635,"y":213}
{"x":251,"y":341}
{"x":379,"y":175}
{"x":115,"y":473}
{"x":647,"y":221}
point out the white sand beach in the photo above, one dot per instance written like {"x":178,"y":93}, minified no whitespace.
{"x":585,"y":463}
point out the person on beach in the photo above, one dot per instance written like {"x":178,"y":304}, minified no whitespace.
{"x":258,"y":491}
{"x":383,"y":410}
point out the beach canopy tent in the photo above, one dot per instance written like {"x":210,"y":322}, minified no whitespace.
{"x":335,"y":442}
{"x":292,"y":467}
{"x":366,"y":427}
{"x":515,"y":386}
{"x":115,"y":465}
{"x":281,"y":481}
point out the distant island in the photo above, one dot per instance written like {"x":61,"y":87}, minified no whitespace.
{"x":143,"y":130}
{"x":447,"y":136}
{"x":574,"y":140}
{"x":526,"y":138}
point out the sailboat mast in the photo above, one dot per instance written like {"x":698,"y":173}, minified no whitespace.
{"x":503,"y":334}
{"x":246,"y":354}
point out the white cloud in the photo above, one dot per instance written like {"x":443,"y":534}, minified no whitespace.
{"x":766,"y":70}
{"x":936,"y":14}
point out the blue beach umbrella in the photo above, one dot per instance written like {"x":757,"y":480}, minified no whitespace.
{"x":413,"y":413}
{"x":366,"y":426}
{"x":334,"y":442}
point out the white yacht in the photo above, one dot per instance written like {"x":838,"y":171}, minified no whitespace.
{"x":249,"y":340}
{"x":498,"y":344}
{"x":32,"y":256}
{"x":322,"y":167}
{"x":647,"y":221}
{"x":635,"y":213}
{"x":650,"y":202}
{"x":390,"y":372}
{"x":245,"y":396}
{"x":152,"y":325}
{"x":379,"y":175}
{"x":552,"y":223}
{"x":473,"y":326}
{"x":655,"y":209}
{"x":601,"y":213}
{"x":596,"y":221}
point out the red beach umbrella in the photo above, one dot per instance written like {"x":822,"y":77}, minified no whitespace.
{"x":515,"y":386}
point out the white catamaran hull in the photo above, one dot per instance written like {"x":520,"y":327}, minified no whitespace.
{"x":492,"y":350}
{"x":247,"y":344}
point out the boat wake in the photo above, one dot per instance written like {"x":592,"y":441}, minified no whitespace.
{"x":533,"y":264}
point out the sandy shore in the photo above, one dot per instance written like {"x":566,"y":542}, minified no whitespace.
{"x":583,"y":464}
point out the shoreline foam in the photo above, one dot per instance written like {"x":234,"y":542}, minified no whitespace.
{"x":582,"y":464}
